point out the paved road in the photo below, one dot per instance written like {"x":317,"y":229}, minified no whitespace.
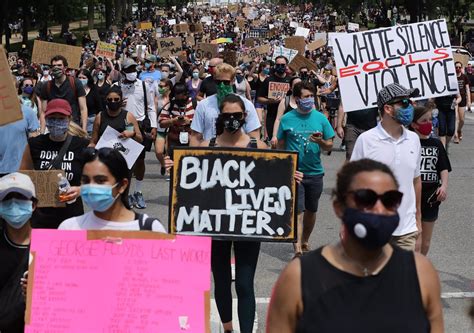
{"x":451,"y":251}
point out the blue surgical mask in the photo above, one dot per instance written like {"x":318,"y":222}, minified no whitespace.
{"x":371,"y":230}
{"x":305,"y":105}
{"x":100,"y":76}
{"x":405,"y":115}
{"x":147,"y":65}
{"x":266,"y":71}
{"x":57,"y":127}
{"x":84,"y":82}
{"x":16,"y":212}
{"x":195,"y":75}
{"x":98,"y":197}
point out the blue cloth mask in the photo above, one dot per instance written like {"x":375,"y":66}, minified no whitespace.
{"x":266,"y":71}
{"x":371,"y":230}
{"x":405,"y":115}
{"x":57,"y":127}
{"x":98,"y":197}
{"x":305,"y":105}
{"x":28,"y":90}
{"x":84,"y":82}
{"x":16,"y":212}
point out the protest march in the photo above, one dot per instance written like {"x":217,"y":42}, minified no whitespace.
{"x":150,"y":165}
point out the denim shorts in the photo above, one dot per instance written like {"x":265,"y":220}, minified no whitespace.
{"x":309,"y":192}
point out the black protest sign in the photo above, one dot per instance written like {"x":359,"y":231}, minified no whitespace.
{"x":231,"y":193}
{"x":414,"y":55}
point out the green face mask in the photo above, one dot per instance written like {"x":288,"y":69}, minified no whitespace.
{"x":223,"y":91}
{"x":162,"y":91}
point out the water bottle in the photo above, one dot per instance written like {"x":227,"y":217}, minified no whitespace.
{"x":64,"y":186}
{"x":453,"y":104}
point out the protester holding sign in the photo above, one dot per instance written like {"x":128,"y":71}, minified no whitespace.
{"x":434,"y":168}
{"x":61,"y":151}
{"x":279,"y":78}
{"x":361,"y":271}
{"x":391,"y":143}
{"x":308,"y":132}
{"x":105,"y":183}
{"x":17,"y":203}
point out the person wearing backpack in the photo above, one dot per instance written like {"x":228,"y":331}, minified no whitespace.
{"x":61,"y":151}
{"x":104,"y":189}
{"x":64,"y":87}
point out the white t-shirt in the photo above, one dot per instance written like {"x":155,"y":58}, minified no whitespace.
{"x":403,"y":156}
{"x":89,"y":221}
{"x":207,"y":110}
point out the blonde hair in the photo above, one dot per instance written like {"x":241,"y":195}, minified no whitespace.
{"x":75,"y":130}
{"x":225,"y":69}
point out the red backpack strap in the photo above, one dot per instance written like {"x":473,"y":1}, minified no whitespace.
{"x":72,"y":82}
{"x":48,"y":88}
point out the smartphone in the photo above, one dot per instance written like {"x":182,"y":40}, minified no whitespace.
{"x":317,"y":134}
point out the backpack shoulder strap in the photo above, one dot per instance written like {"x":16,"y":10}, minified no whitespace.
{"x":212,"y":142}
{"x":72,"y":82}
{"x":145,"y":99}
{"x":287,"y":102}
{"x":253,"y":143}
{"x":48,"y":87}
{"x":145,"y":224}
{"x":56,"y":163}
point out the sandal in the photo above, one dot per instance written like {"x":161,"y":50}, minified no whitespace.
{"x":305,"y":247}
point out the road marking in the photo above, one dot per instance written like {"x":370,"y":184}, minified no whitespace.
{"x":458,"y":295}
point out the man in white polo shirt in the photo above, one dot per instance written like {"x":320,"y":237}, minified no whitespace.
{"x":391,"y":143}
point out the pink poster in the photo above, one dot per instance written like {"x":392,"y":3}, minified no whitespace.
{"x":117,"y":284}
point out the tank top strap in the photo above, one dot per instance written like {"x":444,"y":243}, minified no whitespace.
{"x":252,"y":143}
{"x":212,"y":142}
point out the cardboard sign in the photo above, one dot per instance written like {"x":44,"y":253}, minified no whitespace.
{"x":230,"y":57}
{"x":145,"y":25}
{"x":304,"y":32}
{"x":233,"y":8}
{"x":123,"y":270}
{"x":241,"y":23}
{"x":300,"y":61}
{"x":129,"y":148}
{"x":283,"y":51}
{"x":246,"y":11}
{"x":44,"y":51}
{"x":233,"y":193}
{"x":277,"y":90}
{"x":181,"y":28}
{"x":260,"y":51}
{"x":352,"y":26}
{"x":46,"y":186}
{"x":106,"y":50}
{"x":160,"y":12}
{"x":12,"y":58}
{"x":94,"y":34}
{"x":190,"y":41}
{"x":415,"y":55}
{"x":196,"y":27}
{"x":462,"y":58}
{"x":207,"y":50}
{"x":296,"y":43}
{"x":249,"y":42}
{"x":340,"y":28}
{"x":318,"y":43}
{"x":169,"y":46}
{"x":10,"y":109}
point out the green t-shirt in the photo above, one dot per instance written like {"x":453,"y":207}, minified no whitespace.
{"x":296,"y":128}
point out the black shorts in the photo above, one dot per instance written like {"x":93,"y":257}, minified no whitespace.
{"x":429,"y":213}
{"x":309,"y":192}
{"x":147,"y":142}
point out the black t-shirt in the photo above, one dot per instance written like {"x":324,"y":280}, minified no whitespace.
{"x":94,"y":102}
{"x":363,"y":119}
{"x":103,"y":90}
{"x":444,"y":102}
{"x":11,"y":254}
{"x":208,"y":86}
{"x":65,"y":91}
{"x":272,"y":109}
{"x":43,"y":152}
{"x":433,"y":160}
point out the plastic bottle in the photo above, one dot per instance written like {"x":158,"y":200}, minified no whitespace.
{"x":64,"y":186}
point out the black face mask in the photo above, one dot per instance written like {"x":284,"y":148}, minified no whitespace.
{"x":304,"y":76}
{"x":280,"y":68}
{"x":229,"y":122}
{"x":180,"y":102}
{"x":114,"y":106}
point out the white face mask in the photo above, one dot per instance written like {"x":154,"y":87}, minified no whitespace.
{"x":131,"y":76}
{"x":165,"y":75}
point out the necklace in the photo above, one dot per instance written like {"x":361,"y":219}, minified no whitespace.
{"x":365,"y":270}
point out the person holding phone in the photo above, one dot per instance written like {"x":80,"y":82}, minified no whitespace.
{"x":308,"y":132}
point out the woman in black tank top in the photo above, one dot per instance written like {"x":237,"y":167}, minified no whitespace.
{"x":117,"y":118}
{"x":362,"y":283}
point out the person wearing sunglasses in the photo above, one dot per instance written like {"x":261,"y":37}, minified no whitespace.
{"x":362,"y":283}
{"x":434,"y":168}
{"x":26,"y":91}
{"x":391,"y":143}
{"x":116,"y":117}
{"x":105,"y":184}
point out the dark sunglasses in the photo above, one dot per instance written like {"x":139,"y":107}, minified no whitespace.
{"x":405,"y":102}
{"x":457,"y":67}
{"x":366,"y":198}
{"x":113,"y":99}
{"x":224,"y":82}
{"x":235,"y":115}
{"x":27,"y":85}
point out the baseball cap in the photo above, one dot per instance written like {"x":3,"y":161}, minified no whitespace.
{"x":17,"y":183}
{"x":128,"y":62}
{"x":393,"y":92}
{"x":58,"y":105}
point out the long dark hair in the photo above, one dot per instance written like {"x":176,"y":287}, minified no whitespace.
{"x":87,"y":73}
{"x":116,"y":164}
